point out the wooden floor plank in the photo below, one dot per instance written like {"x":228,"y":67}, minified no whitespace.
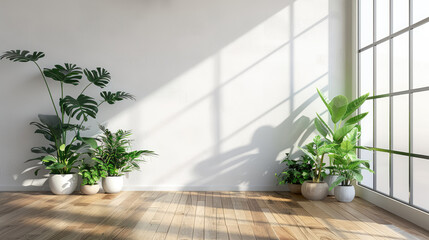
{"x":195,"y":215}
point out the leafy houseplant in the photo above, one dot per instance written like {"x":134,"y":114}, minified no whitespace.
{"x":344,"y":136}
{"x":91,"y":174}
{"x":63,"y":129}
{"x":115,"y":155}
{"x":295,"y":173}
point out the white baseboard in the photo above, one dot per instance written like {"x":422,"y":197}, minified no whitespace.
{"x":413,"y":215}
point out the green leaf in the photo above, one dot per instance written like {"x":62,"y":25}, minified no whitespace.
{"x":111,"y":98}
{"x":82,"y":106}
{"x":69,"y":74}
{"x":325,"y":124}
{"x":337,"y":182}
{"x":92,"y":142}
{"x":22,"y":56}
{"x":339,"y":107}
{"x":99,"y":77}
{"x":320,"y":127}
{"x":352,"y":136}
{"x":49,"y":158}
{"x":325,"y":101}
{"x":356,"y":119}
{"x":340,"y":133}
{"x":62,"y":147}
{"x":346,"y":145}
{"x":354,"y":105}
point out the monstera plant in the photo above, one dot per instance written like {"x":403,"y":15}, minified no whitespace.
{"x":63,"y":128}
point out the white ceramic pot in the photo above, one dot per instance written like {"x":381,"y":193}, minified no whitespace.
{"x":345,"y":193}
{"x":89,"y":189}
{"x":63,"y":183}
{"x":329,"y":180}
{"x":314,"y":190}
{"x":294,"y":188}
{"x":113,"y":184}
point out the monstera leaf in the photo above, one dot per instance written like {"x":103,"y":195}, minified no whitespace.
{"x":82,"y":106}
{"x":111,"y":98}
{"x":22,"y":56}
{"x":70,"y":73}
{"x":99,"y":77}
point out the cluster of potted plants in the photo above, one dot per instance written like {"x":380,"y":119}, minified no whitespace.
{"x":332,"y":153}
{"x":67,"y":149}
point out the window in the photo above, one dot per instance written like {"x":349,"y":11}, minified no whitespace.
{"x":394,"y":68}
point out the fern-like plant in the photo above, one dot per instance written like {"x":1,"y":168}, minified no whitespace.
{"x":63,"y":151}
{"x":113,"y":152}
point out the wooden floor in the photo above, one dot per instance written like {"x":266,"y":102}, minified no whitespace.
{"x":195,"y":215}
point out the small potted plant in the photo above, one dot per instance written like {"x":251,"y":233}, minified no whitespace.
{"x":295,"y":173}
{"x":91,"y":175}
{"x":316,"y":189}
{"x":115,"y":155}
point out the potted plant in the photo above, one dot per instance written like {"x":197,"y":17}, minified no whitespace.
{"x":316,"y":189}
{"x":341,"y":115}
{"x":295,"y":173}
{"x":63,"y":129}
{"x":91,"y":175}
{"x":115,"y":155}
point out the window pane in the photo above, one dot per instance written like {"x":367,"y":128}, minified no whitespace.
{"x":367,"y":123}
{"x":420,"y":122}
{"x":382,"y":69}
{"x":400,"y":14}
{"x":382,"y":174}
{"x":400,"y":177}
{"x":382,"y":123}
{"x":366,"y":72}
{"x":420,"y":183}
{"x":366,"y":22}
{"x":400,"y":123}
{"x":400,"y":62}
{"x":420,"y":10}
{"x":368,"y":177}
{"x":382,"y":18}
{"x":420,"y":56}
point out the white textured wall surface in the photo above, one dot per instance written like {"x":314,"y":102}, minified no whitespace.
{"x":224,"y":88}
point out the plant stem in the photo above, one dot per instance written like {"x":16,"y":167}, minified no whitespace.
{"x":49,"y":90}
{"x":85,"y":88}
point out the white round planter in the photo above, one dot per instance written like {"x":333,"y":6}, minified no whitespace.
{"x":345,"y":193}
{"x":89,"y":189}
{"x":314,"y":190}
{"x":329,"y":180}
{"x":61,"y":184}
{"x":113,"y":184}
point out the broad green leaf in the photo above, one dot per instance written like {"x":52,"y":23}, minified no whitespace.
{"x":341,"y":132}
{"x":354,"y":105}
{"x":346,"y":145}
{"x":22,"y":56}
{"x":49,"y":158}
{"x":352,"y":136}
{"x":99,"y":77}
{"x":325,"y":124}
{"x":356,"y":119}
{"x":358,"y":176}
{"x":339,"y":108}
{"x":111,"y":97}
{"x":325,"y":101}
{"x":337,"y":182}
{"x":70,"y":73}
{"x":92,"y":142}
{"x":320,"y":127}
{"x":83,"y":106}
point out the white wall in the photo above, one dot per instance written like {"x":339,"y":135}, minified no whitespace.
{"x":223,"y":88}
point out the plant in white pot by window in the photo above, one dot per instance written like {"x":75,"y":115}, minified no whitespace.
{"x":91,"y":174}
{"x":295,"y":173}
{"x":115,"y":155}
{"x":317,"y":150}
{"x":63,"y":129}
{"x":341,"y":115}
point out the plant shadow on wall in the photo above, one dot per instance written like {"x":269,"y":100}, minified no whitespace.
{"x":268,"y":142}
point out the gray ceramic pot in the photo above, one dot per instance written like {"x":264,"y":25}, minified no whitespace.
{"x":294,"y":188}
{"x":314,"y":191}
{"x":345,"y":193}
{"x":63,"y":184}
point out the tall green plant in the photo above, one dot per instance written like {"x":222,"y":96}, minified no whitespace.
{"x":114,"y":152}
{"x":341,"y":115}
{"x":64,"y":150}
{"x":316,"y":151}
